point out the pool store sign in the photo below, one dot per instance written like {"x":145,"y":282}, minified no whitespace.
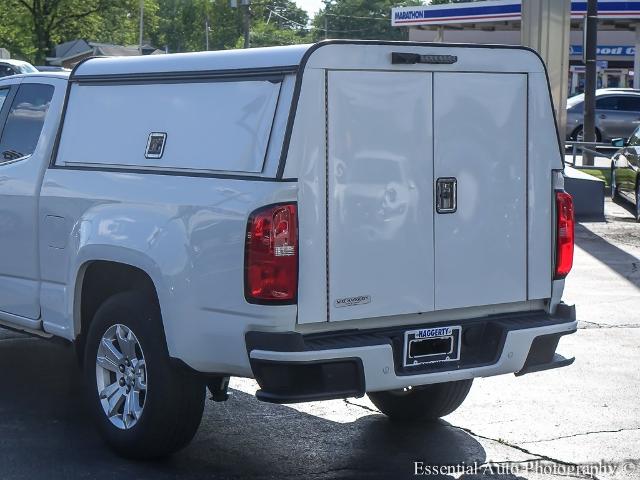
{"x":606,"y":51}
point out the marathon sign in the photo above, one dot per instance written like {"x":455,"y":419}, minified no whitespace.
{"x":456,"y":13}
{"x":500,"y":11}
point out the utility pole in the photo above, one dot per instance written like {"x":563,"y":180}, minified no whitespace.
{"x":326,"y":18}
{"x":141,"y":23}
{"x":590,"y":46}
{"x":207,"y":23}
{"x":206,"y":33}
{"x":246,"y":21}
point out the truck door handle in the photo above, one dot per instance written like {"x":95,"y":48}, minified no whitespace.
{"x":602,"y":115}
{"x":446,"y":195}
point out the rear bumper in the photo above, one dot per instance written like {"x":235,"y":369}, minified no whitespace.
{"x":290,"y":367}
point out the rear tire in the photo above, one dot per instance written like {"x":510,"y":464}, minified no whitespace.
{"x":578,"y":135}
{"x":428,"y":402}
{"x":168,"y":404}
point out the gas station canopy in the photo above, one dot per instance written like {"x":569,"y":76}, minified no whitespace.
{"x":499,"y":22}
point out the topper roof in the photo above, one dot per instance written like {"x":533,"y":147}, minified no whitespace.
{"x":241,"y":59}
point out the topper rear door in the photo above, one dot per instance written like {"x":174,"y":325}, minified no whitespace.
{"x":380,"y":194}
{"x":480,"y":132}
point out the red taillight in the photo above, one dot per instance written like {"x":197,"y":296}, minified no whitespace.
{"x":564,"y":234}
{"x":271,"y":255}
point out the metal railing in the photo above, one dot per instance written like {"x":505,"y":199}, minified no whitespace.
{"x":594,"y":148}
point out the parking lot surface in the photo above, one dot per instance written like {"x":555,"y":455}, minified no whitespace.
{"x":555,"y":423}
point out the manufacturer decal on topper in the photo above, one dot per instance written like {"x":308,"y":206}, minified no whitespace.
{"x":351,"y":301}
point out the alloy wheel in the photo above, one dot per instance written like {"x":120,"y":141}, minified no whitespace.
{"x":121,"y":376}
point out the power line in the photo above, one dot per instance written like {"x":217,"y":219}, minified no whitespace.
{"x":323,"y":29}
{"x":386,"y":19}
{"x":273,"y":12}
{"x":268,"y":6}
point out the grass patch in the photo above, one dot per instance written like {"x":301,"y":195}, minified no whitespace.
{"x":602,"y":174}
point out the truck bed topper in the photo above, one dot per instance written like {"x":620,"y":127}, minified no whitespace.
{"x":254,"y":61}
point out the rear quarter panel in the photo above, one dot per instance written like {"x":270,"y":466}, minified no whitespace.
{"x":187,"y":233}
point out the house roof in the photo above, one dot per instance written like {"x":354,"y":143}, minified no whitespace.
{"x":71,"y":48}
{"x":110,"y":50}
{"x":81,"y":48}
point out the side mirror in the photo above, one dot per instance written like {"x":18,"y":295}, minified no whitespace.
{"x":619,"y":142}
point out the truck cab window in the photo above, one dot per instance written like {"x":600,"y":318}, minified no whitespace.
{"x":25,"y":120}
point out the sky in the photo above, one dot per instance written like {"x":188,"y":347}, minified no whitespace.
{"x":311,"y":6}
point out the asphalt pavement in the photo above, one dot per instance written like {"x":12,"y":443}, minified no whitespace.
{"x":549,"y":425}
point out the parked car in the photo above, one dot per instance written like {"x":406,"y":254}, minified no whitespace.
{"x":625,"y":166}
{"x":215,"y":217}
{"x":15,"y":67}
{"x":617,"y":114}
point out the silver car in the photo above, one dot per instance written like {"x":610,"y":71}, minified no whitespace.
{"x":617,"y":114}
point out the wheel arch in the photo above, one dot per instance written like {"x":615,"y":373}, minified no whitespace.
{"x":101,"y":277}
{"x":575,"y":131}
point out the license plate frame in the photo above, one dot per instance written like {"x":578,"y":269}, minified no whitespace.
{"x":453,"y":333}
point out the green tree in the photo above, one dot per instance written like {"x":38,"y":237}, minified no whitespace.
{"x":362,"y":19}
{"x":32,"y":28}
{"x":119,"y":24}
{"x":182,"y":24}
{"x":15,"y":32}
{"x":285,"y":14}
{"x":278,"y":22}
{"x":264,"y":34}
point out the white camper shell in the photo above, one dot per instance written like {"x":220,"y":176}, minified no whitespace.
{"x":335,"y":219}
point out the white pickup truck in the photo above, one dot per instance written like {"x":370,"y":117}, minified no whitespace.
{"x":333,"y":220}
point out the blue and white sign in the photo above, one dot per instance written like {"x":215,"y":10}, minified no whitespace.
{"x":456,"y":13}
{"x":500,"y":10}
{"x":606,"y":50}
